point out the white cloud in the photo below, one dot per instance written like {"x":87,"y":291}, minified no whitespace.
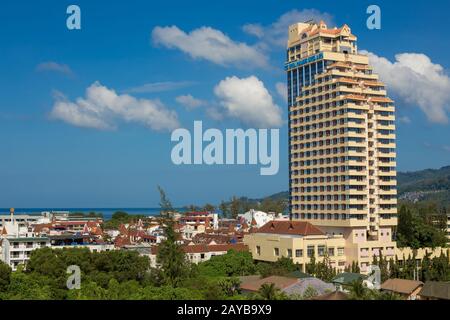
{"x":102,"y":108}
{"x":209,"y":44}
{"x":404,"y":119}
{"x":254,"y":29}
{"x":54,"y":67}
{"x":276,"y":33}
{"x":190,"y":102}
{"x":248,"y":100}
{"x":417,"y":80}
{"x":160,"y":87}
{"x":215,"y":113}
{"x":282,"y":90}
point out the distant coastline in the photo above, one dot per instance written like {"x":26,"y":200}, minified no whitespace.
{"x":106,"y":212}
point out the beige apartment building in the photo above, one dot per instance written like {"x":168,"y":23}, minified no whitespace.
{"x":341,"y":141}
{"x":297,"y":240}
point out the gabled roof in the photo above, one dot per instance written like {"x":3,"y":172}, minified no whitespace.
{"x":299,"y":274}
{"x":347,"y":277}
{"x":302,"y":228}
{"x":402,"y":286}
{"x":436,"y":290}
{"x":279,"y":282}
{"x":335,"y":295}
{"x":303,"y":284}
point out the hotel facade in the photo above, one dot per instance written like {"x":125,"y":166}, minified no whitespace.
{"x":341,"y":141}
{"x":342,"y":158}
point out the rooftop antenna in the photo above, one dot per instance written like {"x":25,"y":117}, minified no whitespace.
{"x":310,"y":21}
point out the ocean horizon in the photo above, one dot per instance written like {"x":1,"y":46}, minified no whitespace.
{"x":106,"y":212}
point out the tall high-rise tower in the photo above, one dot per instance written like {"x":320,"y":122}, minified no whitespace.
{"x":341,"y":141}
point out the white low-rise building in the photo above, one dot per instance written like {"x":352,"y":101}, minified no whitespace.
{"x":17,"y":250}
{"x":259,"y":217}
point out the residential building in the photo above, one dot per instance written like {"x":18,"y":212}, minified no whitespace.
{"x":257,"y":218}
{"x":16,"y":250}
{"x":343,"y":281}
{"x":433,"y":290}
{"x":287,"y":285}
{"x":407,"y":289}
{"x":341,"y":141}
{"x":299,"y":240}
{"x":17,"y":240}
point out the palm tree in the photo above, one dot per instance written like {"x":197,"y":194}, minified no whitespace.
{"x":209,"y":207}
{"x":268,"y":291}
{"x":358,"y":291}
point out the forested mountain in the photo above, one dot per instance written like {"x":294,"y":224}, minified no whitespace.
{"x":428,"y":184}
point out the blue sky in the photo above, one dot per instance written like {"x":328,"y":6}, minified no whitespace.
{"x":149,"y":52}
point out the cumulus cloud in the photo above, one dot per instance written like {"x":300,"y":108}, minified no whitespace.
{"x":276,"y":33}
{"x":416,"y":80}
{"x":215,"y":113}
{"x":102,"y":108}
{"x":282,"y":90}
{"x":209,"y":44}
{"x":51,"y":66}
{"x":160,"y":86}
{"x":248,"y":100}
{"x":190,"y":102}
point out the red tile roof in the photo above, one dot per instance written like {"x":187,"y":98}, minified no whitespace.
{"x":290,"y":227}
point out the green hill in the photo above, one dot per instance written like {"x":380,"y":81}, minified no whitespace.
{"x":423,"y":185}
{"x":424,"y":180}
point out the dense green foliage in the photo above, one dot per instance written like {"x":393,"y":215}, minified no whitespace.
{"x":173,"y":266}
{"x":358,"y":291}
{"x":322,"y":269}
{"x":91,"y":214}
{"x":229,"y":265}
{"x":121,"y":217}
{"x":236,"y":205}
{"x":5,"y":275}
{"x":429,"y":269}
{"x":45,"y":276}
{"x":421,"y":225}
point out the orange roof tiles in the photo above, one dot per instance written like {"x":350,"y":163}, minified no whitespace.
{"x":290,"y":227}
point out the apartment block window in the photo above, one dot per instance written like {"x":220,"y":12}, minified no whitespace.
{"x":321,"y":251}
{"x":258,"y":250}
{"x":289,"y":253}
{"x":340,"y":251}
{"x":276,"y":251}
{"x":331,"y":252}
{"x":310,"y":251}
{"x":299,"y":253}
